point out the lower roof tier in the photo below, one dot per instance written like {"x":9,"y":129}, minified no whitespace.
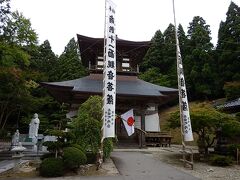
{"x":127,"y":88}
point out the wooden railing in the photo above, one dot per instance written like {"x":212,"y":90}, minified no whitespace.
{"x":96,"y":68}
{"x":141,"y":137}
{"x":158,"y":139}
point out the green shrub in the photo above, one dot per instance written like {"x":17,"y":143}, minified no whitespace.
{"x":107,"y":148}
{"x":51,"y":167}
{"x":53,"y":146}
{"x":232,"y":89}
{"x":232,"y":149}
{"x":87,"y":125}
{"x":238,"y":116}
{"x":78,"y":147}
{"x":218,"y":160}
{"x":73,"y":158}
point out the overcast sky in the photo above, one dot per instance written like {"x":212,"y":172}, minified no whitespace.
{"x":137,"y":20}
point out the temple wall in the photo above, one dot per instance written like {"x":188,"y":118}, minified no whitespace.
{"x":152,"y":122}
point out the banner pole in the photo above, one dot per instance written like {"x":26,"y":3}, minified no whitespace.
{"x":100,"y":153}
{"x":109,"y":77}
{"x":179,"y":88}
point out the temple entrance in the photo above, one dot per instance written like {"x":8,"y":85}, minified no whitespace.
{"x":122,"y":136}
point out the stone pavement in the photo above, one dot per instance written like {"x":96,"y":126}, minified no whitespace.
{"x":142,"y":166}
{"x":8,"y":164}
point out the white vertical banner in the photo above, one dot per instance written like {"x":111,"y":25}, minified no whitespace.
{"x":183,"y":100}
{"x":109,"y":71}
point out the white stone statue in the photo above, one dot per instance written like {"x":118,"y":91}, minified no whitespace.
{"x":34,"y":126}
{"x":15,"y":138}
{"x":17,"y":145}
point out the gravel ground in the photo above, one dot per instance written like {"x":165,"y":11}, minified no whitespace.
{"x":28,"y":170}
{"x":201,"y":170}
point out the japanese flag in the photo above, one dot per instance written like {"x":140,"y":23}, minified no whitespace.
{"x":128,"y":121}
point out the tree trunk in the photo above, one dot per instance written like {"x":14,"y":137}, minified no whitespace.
{"x":56,"y":153}
{"x":5,"y":120}
{"x":206,"y":150}
{"x":6,"y":117}
{"x":3,"y":108}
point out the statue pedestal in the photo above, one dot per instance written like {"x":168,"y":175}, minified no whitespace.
{"x":17,"y":156}
{"x":35,"y":148}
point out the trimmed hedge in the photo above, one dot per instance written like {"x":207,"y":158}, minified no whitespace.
{"x":218,"y":160}
{"x":107,"y":148}
{"x":232,"y":149}
{"x":78,"y":147}
{"x":51,"y":167}
{"x":73,"y":158}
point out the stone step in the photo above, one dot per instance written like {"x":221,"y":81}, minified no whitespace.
{"x":7,"y":155}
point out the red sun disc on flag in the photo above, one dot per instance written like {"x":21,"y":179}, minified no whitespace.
{"x":130,"y":121}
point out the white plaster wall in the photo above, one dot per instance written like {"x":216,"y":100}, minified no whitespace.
{"x":152,"y":123}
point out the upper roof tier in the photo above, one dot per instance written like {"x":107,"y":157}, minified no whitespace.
{"x":129,"y":53}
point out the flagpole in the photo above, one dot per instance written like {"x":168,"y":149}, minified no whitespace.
{"x":179,"y":87}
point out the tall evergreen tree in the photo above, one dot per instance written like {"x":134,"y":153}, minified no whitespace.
{"x":159,"y":64}
{"x":199,"y":34}
{"x":4,"y":11}
{"x":169,"y":50}
{"x":69,"y":64}
{"x":156,"y":63}
{"x":154,"y":55}
{"x":199,"y":61}
{"x":153,"y":75}
{"x":181,"y":37}
{"x":183,"y":43}
{"x":44,"y":60}
{"x":228,"y":47}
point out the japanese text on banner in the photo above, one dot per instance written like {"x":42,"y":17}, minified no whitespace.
{"x":186,"y":122}
{"x":109,"y":83}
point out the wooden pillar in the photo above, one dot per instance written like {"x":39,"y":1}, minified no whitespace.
{"x":143,"y":120}
{"x":142,"y":135}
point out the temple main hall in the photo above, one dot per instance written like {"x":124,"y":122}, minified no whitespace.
{"x":131,"y":92}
